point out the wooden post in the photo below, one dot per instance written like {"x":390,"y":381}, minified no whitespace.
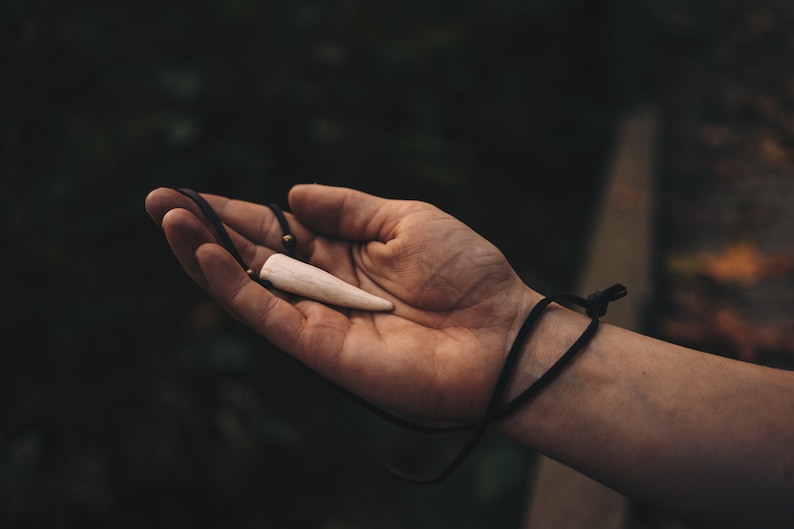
{"x":620,"y":250}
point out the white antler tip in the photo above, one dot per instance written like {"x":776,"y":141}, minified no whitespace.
{"x":302,"y":279}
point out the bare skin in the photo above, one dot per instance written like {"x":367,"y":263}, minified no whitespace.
{"x":704,"y":438}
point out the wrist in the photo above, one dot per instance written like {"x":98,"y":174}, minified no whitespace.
{"x":551,"y":336}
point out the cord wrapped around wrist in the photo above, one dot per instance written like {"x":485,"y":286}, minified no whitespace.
{"x":594,"y":305}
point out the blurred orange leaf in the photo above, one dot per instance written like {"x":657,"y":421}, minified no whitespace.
{"x":739,"y":263}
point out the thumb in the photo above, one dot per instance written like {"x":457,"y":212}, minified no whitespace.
{"x":345,"y":213}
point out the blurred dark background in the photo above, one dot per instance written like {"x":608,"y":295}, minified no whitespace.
{"x":127,"y":398}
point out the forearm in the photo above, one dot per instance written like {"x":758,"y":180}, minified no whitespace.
{"x":696,"y":435}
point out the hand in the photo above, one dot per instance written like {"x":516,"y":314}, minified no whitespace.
{"x":458,"y":303}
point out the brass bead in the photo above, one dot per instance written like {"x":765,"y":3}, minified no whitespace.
{"x":289,"y":240}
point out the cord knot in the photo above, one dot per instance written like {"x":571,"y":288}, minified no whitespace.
{"x":601,"y":299}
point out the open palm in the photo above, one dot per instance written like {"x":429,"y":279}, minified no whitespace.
{"x":458,"y":303}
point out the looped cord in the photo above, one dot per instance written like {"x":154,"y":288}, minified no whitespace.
{"x":288,"y":240}
{"x":595,"y":306}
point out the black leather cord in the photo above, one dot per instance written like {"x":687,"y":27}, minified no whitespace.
{"x":288,"y":240}
{"x":595,"y":306}
{"x":217,"y":224}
